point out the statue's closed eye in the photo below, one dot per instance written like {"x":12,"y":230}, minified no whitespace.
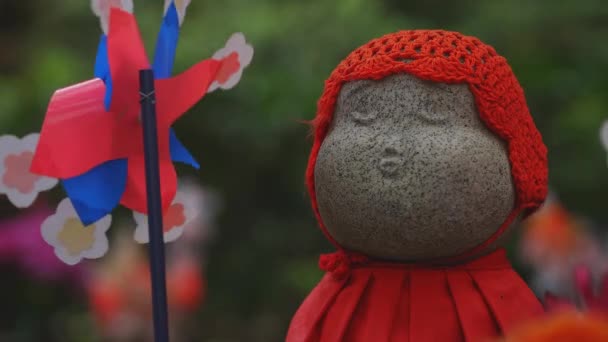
{"x":433,"y":109}
{"x":432,"y":116}
{"x":364,"y":117}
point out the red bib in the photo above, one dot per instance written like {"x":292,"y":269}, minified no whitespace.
{"x":397,"y":302}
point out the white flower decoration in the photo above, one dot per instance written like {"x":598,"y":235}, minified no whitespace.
{"x":181,"y":6}
{"x":604,"y":135}
{"x":235,"y":57}
{"x":16,"y":181}
{"x":182,"y":212}
{"x":73,"y":241}
{"x":101,"y":8}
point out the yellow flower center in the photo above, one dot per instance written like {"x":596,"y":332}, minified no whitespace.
{"x":75,"y":237}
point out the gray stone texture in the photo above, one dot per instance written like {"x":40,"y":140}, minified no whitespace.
{"x":408,"y":171}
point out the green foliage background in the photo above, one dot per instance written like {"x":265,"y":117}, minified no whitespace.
{"x":253,"y":145}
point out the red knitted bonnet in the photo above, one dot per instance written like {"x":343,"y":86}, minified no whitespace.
{"x":448,"y":57}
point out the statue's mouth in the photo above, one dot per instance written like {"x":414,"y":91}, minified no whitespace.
{"x":389,"y":165}
{"x":390,"y":160}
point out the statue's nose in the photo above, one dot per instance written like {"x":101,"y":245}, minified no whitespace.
{"x":391,"y":151}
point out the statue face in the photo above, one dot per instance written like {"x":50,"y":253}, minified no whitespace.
{"x":408,"y":171}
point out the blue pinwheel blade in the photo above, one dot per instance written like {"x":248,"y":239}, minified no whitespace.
{"x":166,"y":44}
{"x":97,"y":192}
{"x":102,"y":68}
{"x":179,"y":153}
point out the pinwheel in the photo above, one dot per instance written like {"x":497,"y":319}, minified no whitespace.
{"x":109,"y":141}
{"x":91,"y":138}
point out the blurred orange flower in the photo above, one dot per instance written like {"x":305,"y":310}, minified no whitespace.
{"x":563,"y":327}
{"x":551,"y":230}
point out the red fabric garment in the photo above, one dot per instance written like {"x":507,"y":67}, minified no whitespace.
{"x":397,"y":302}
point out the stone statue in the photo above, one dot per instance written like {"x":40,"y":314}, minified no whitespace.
{"x":425,"y":155}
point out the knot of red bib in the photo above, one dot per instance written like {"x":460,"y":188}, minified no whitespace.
{"x":340,"y":263}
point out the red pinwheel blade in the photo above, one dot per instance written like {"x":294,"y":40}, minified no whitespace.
{"x":175,"y":95}
{"x":76,"y":132}
{"x":134,"y":196}
{"x":127,"y":57}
